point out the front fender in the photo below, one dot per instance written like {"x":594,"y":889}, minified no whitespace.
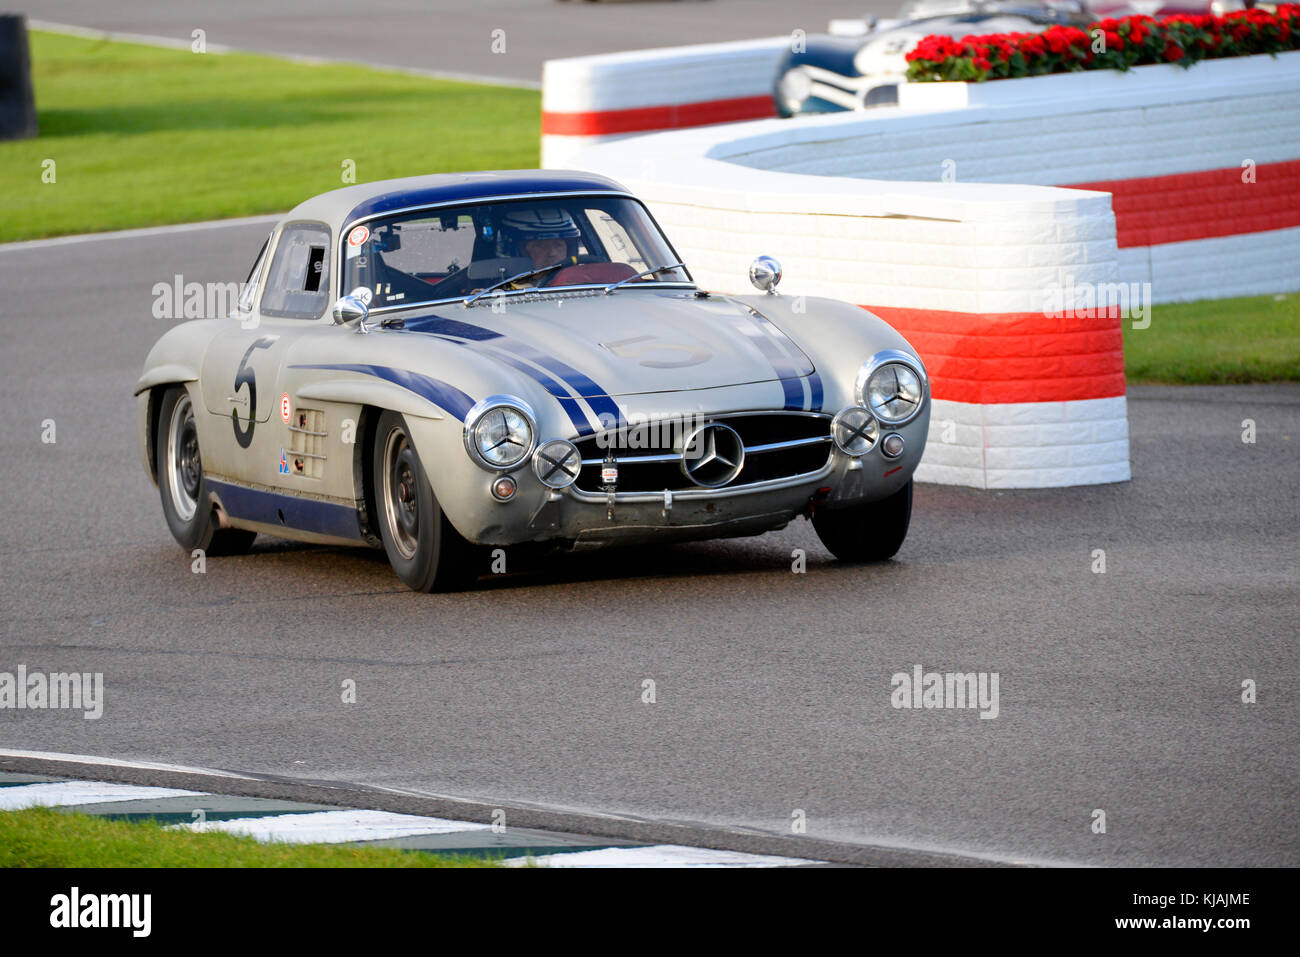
{"x":838,"y":336}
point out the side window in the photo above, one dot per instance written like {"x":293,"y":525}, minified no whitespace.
{"x":298,"y":284}
{"x":249,"y":291}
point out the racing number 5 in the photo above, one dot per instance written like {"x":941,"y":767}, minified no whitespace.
{"x":630,"y":349}
{"x":245,"y":376}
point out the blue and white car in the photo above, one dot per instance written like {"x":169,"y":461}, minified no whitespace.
{"x":859,"y":64}
{"x":440,"y":365}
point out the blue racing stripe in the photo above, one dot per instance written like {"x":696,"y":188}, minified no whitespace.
{"x":781,"y":364}
{"x":567,"y":402}
{"x":606,"y":409}
{"x":441,"y":394}
{"x":598,"y":399}
{"x":815,"y":386}
{"x":274,"y":508}
{"x":451,"y":327}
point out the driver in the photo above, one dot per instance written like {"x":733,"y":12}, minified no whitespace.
{"x":547,"y":235}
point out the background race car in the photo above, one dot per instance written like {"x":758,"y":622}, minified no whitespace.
{"x":858,"y":64}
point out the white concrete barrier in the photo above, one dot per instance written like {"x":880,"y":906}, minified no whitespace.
{"x":1203,"y":164}
{"x":939,"y":215}
{"x":1020,"y":399}
{"x":594,"y":99}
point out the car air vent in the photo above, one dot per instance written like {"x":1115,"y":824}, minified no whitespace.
{"x":307,"y":443}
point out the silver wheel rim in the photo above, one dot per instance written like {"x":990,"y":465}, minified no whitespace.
{"x":184,"y":465}
{"x":401,"y":499}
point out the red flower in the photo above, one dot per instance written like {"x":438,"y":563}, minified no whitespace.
{"x":1183,"y":38}
{"x":1056,"y":42}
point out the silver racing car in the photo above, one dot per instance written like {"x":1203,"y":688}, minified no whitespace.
{"x":447,"y":364}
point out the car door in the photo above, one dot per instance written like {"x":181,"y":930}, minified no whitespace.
{"x":241,"y":367}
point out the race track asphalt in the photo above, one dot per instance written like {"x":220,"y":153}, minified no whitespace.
{"x":1119,"y":691}
{"x":453,"y":36}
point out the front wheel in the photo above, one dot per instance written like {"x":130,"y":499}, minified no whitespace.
{"x":424,"y":548}
{"x":872,"y":532}
{"x":184,"y":487}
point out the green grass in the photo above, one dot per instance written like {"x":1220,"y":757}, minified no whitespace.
{"x":43,"y":837}
{"x":1214,"y":342}
{"x":143,"y":136}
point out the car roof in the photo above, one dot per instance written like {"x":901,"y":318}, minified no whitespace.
{"x":340,"y":207}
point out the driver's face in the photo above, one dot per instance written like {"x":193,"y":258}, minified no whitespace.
{"x":545,"y":252}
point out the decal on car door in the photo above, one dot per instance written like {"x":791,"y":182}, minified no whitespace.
{"x":244,"y":375}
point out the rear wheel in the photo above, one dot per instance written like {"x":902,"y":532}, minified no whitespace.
{"x":872,"y":532}
{"x":182,"y":484}
{"x":424,"y":549}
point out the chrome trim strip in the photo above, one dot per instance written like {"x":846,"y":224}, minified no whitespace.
{"x":773,"y":485}
{"x":788,"y":444}
{"x":639,"y":460}
{"x":749,"y":450}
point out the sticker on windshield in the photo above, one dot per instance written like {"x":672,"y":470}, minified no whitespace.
{"x":358,"y":236}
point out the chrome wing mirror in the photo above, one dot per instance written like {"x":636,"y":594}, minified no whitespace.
{"x":765,"y":273}
{"x":354,"y":308}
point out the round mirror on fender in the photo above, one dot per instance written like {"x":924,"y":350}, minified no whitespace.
{"x":765,"y":273}
{"x":354,"y":307}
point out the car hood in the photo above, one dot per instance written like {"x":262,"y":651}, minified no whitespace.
{"x":632,"y":342}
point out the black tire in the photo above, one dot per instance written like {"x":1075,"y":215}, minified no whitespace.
{"x":182,"y":485}
{"x":424,"y":548}
{"x":872,"y":532}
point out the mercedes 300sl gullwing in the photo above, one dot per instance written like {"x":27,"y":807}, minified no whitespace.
{"x":447,"y":364}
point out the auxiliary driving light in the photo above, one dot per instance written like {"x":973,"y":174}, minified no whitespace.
{"x":892,"y":445}
{"x":557,"y":463}
{"x":854,"y":430}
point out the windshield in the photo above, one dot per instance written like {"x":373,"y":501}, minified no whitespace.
{"x":456,"y":251}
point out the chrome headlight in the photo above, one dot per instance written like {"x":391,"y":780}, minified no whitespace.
{"x":893,"y":386}
{"x":854,"y":430}
{"x":500,"y":432}
{"x":557,"y":463}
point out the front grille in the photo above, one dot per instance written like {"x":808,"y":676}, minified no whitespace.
{"x":778,"y":445}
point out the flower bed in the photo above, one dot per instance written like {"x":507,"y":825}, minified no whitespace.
{"x":1106,"y":45}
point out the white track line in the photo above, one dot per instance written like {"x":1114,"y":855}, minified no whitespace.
{"x":334,"y":827}
{"x":69,"y":793}
{"x":660,"y":855}
{"x":120,"y":763}
{"x":175,"y":43}
{"x":129,"y":234}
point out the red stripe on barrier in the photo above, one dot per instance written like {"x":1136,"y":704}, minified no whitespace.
{"x":1174,"y":209}
{"x":1014,"y":357}
{"x":645,"y":119}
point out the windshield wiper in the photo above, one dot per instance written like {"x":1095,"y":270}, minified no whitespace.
{"x":505,"y":282}
{"x":641,"y":275}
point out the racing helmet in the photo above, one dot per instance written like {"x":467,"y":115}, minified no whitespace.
{"x":519,"y":226}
